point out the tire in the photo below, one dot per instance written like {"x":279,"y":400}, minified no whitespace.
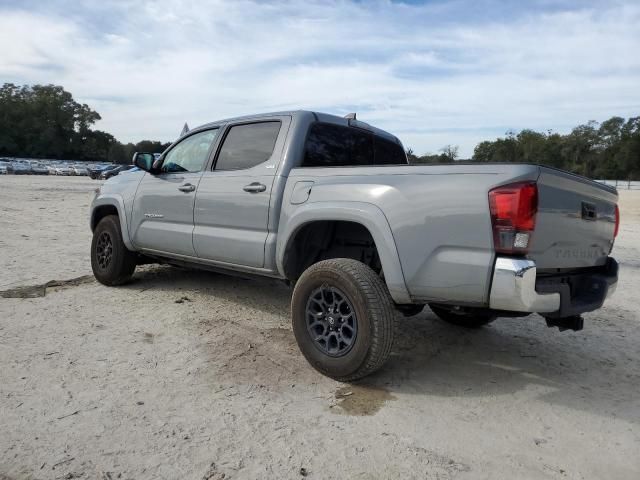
{"x":468,"y":317}
{"x":362,"y":299}
{"x":111,"y":261}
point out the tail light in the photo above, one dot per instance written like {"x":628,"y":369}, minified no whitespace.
{"x":513,"y":216}
{"x":615,"y":231}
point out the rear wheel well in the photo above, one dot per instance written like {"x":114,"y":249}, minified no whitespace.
{"x":100,"y":212}
{"x":325,"y":239}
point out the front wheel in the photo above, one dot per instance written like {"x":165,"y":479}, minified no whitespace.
{"x":343,"y":318}
{"x":463,"y":317}
{"x":111,"y":261}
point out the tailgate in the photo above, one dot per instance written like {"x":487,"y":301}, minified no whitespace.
{"x":575,"y":222}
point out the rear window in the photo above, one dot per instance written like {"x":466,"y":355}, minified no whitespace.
{"x":388,"y":152}
{"x":330,"y":145}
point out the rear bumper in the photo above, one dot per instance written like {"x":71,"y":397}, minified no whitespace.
{"x":517,"y":287}
{"x":514,"y":288}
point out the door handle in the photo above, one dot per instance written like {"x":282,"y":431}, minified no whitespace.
{"x":187,"y":187}
{"x":255,"y":187}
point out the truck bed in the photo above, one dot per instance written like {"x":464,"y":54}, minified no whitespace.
{"x":441,"y":223}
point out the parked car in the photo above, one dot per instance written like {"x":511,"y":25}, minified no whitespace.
{"x":21,"y":168}
{"x":39,"y":169}
{"x":107,"y":174}
{"x":64,"y":170}
{"x":80,"y":170}
{"x":3,"y":169}
{"x":98,"y":169}
{"x":331,"y":205}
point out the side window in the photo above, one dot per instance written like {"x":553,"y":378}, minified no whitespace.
{"x":246,"y":146}
{"x":336,"y":146}
{"x":388,"y":153}
{"x":190,"y":154}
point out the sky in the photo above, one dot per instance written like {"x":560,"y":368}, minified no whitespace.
{"x":433,"y":73}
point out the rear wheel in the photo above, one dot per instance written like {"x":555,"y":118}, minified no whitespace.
{"x":111,"y":261}
{"x":463,"y":316}
{"x":343,"y":318}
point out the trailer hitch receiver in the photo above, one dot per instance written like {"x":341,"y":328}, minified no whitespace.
{"x":575,"y":323}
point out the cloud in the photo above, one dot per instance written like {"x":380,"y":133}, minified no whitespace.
{"x":433,"y":74}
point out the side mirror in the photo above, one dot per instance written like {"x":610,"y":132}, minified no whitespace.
{"x":144,"y":160}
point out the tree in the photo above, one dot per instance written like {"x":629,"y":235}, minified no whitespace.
{"x":483,"y":152}
{"x":530,"y":146}
{"x":607,"y":150}
{"x":411,"y":157}
{"x":44,"y":121}
{"x":610,"y":131}
{"x":450,"y":153}
{"x":118,"y":153}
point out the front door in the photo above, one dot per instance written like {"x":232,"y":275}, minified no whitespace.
{"x":232,"y":204}
{"x":162,"y":218}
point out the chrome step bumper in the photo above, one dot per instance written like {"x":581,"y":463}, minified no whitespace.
{"x":514,"y":288}
{"x":517,"y":288}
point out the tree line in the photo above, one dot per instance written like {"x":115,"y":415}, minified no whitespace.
{"x":44,"y":121}
{"x":607,"y":150}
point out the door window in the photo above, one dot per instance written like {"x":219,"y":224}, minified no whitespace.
{"x":248,"y":145}
{"x":190,"y":154}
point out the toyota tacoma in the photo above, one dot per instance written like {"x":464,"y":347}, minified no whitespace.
{"x":331,"y":205}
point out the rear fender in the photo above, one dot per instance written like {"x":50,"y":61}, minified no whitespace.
{"x":366,"y":214}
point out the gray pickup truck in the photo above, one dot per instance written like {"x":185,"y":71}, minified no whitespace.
{"x":330,"y":205}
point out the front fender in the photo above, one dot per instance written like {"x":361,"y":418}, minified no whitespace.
{"x":112,"y":200}
{"x":366,"y":214}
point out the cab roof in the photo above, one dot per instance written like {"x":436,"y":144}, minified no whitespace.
{"x":318,"y":116}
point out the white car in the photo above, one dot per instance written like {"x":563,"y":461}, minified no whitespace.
{"x":64,"y":170}
{"x":79,"y":170}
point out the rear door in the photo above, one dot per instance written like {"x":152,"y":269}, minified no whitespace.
{"x":232,"y":204}
{"x":575,"y":222}
{"x":162,"y":218}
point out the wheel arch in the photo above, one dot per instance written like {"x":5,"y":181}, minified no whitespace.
{"x":112,"y":205}
{"x":367,"y":216}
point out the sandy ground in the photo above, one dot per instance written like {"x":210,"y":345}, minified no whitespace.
{"x":192,"y":375}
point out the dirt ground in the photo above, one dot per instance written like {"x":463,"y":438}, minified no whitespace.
{"x":192,"y":375}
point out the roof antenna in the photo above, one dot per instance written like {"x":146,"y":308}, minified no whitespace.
{"x":185,"y":129}
{"x":350,"y":116}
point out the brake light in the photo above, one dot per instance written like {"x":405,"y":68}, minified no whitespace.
{"x":615,"y":230}
{"x":513,"y":216}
